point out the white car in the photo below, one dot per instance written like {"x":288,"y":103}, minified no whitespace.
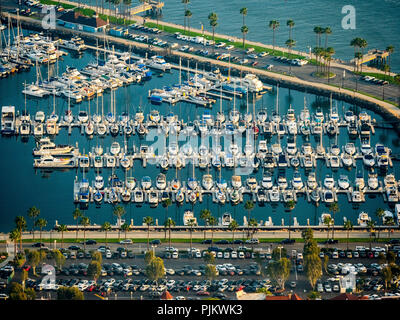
{"x":320,"y":288}
{"x":226,"y":255}
{"x":174,"y":45}
{"x":234,"y":254}
{"x":241,"y":255}
{"x":220,"y":255}
{"x":126,"y":241}
{"x":180,"y":298}
{"x":198,"y":254}
{"x":220,"y":44}
{"x":230,"y":47}
{"x":108,"y":254}
{"x":175,"y":255}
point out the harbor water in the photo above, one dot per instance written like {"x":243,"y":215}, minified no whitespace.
{"x":52,"y":191}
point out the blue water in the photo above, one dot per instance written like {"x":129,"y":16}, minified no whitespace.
{"x":52,"y":192}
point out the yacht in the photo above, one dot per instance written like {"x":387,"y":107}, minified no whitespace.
{"x":282,"y":182}
{"x":347,"y":159}
{"x":335,"y":150}
{"x":225,"y":220}
{"x":334,"y":161}
{"x":138,"y":196}
{"x":146,"y":182}
{"x":46,"y":146}
{"x":274,"y":194}
{"x":373,"y":182}
{"x":158,"y":63}
{"x":175,"y":184}
{"x":115,"y":148}
{"x":35,"y":91}
{"x":329,"y":182}
{"x":251,"y":183}
{"x":350,"y":148}
{"x":327,"y":196}
{"x":189,"y":218}
{"x":312,"y":181}
{"x":161,"y":181}
{"x":291,"y":148}
{"x":349,"y":116}
{"x":360,"y":181}
{"x":315,"y":196}
{"x":8,"y":120}
{"x":153,"y":198}
{"x":344,"y":182}
{"x":266,"y":181}
{"x":363,"y":219}
{"x":236,"y":182}
{"x":369,"y":160}
{"x":297,"y":182}
{"x":207,"y":181}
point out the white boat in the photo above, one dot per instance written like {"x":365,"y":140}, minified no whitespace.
{"x":236,"y":182}
{"x":274,"y":194}
{"x":335,"y":150}
{"x":282,"y":182}
{"x":158,"y":63}
{"x":146,"y":182}
{"x":329,"y":182}
{"x":350,"y":148}
{"x":225,"y":220}
{"x":153,"y":198}
{"x":126,"y":195}
{"x":334,"y":161}
{"x":99,"y":182}
{"x":373,"y":182}
{"x":189,"y":218}
{"x":266,"y":181}
{"x":251,"y":183}
{"x":8,"y":120}
{"x":297,"y":182}
{"x":35,"y":91}
{"x":369,"y":160}
{"x":344,"y":182}
{"x":315,"y":196}
{"x":48,"y":161}
{"x":312,"y":181}
{"x":46,"y":146}
{"x":324,"y":218}
{"x":327,"y":196}
{"x":366,"y":148}
{"x":347,"y":159}
{"x":130,"y":183}
{"x":360,"y":181}
{"x":207,"y":181}
{"x":363,"y":219}
{"x":115,"y":148}
{"x":138,"y":196}
{"x":161,"y":181}
{"x":349,"y":116}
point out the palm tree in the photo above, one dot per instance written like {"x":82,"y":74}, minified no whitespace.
{"x":41,"y":223}
{"x":148,"y":221}
{"x":249,"y":205}
{"x":290,"y":24}
{"x":387,"y":275}
{"x":348,"y":225}
{"x":33,"y":213}
{"x":253,"y":223}
{"x":359,"y":56}
{"x":273,"y":24}
{"x":244,"y":30}
{"x":188,"y":15}
{"x":125,"y":227}
{"x":212,"y":221}
{"x":166,"y":203}
{"x":318,"y":31}
{"x":106,"y":226}
{"x":127,"y":3}
{"x":168,"y":224}
{"x":76,"y":215}
{"x":380,"y":213}
{"x":233,"y":227}
{"x":327,"y":32}
{"x":363,"y":44}
{"x":205,"y":215}
{"x":85,"y":222}
{"x":191,"y":223}
{"x":14,"y":236}
{"x":243,"y":12}
{"x":329,"y":53}
{"x":62,"y":228}
{"x":389,"y":222}
{"x":20,"y":223}
{"x":185,"y":2}
{"x":355,"y":43}
{"x":213,"y":18}
{"x":290,"y":43}
{"x":327,"y":221}
{"x":371,"y":226}
{"x":119,"y":212}
{"x":390,"y":50}
{"x":334,"y":208}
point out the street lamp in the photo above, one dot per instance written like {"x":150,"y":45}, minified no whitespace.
{"x":280,"y":252}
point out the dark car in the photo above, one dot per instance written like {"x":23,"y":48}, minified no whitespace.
{"x":394,"y":241}
{"x":38,"y":245}
{"x":222,"y":242}
{"x":207,"y":241}
{"x":331,"y":241}
{"x":155,"y":241}
{"x":288,"y":241}
{"x":91,"y":242}
{"x":238,"y":241}
{"x":73,"y":247}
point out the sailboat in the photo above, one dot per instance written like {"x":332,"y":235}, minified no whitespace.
{"x":89,"y":129}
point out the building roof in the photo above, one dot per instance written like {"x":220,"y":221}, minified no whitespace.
{"x":347,"y":296}
{"x":166,"y":296}
{"x":293,"y":296}
{"x":79,"y":18}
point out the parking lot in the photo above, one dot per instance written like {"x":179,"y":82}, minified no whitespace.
{"x":239,"y":266}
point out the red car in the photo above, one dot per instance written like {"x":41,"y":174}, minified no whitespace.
{"x":203,"y":293}
{"x":90,"y":288}
{"x":254,"y":63}
{"x":26,"y":267}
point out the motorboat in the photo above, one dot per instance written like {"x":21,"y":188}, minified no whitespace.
{"x":297,"y":182}
{"x":315,"y":196}
{"x":329,"y":182}
{"x":236,"y":181}
{"x":153,"y":198}
{"x":312,"y":181}
{"x":138,"y":196}
{"x":373,"y":182}
{"x":115,"y":148}
{"x":175,"y":184}
{"x":207,"y":181}
{"x":130,"y":183}
{"x":274,"y":194}
{"x":347,"y":159}
{"x":126,"y":195}
{"x":266,"y":181}
{"x":251,"y":183}
{"x":221,"y":196}
{"x":344,"y":182}
{"x":349,"y":116}
{"x":294,"y":162}
{"x":306,"y":149}
{"x":235,"y":196}
{"x":327,"y":196}
{"x":192,"y":183}
{"x":334,"y":161}
{"x":389,"y":180}
{"x":350,"y":148}
{"x":369,"y":160}
{"x":146,"y":182}
{"x":225,"y":220}
{"x":46,"y":146}
{"x":335,"y":150}
{"x":282,"y":182}
{"x":83,"y":116}
{"x":360,"y":181}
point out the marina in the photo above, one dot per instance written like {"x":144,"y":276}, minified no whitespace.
{"x":243,"y":141}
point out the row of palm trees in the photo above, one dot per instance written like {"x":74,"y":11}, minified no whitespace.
{"x":359,"y":44}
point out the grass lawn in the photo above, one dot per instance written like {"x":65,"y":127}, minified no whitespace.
{"x":57,"y":3}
